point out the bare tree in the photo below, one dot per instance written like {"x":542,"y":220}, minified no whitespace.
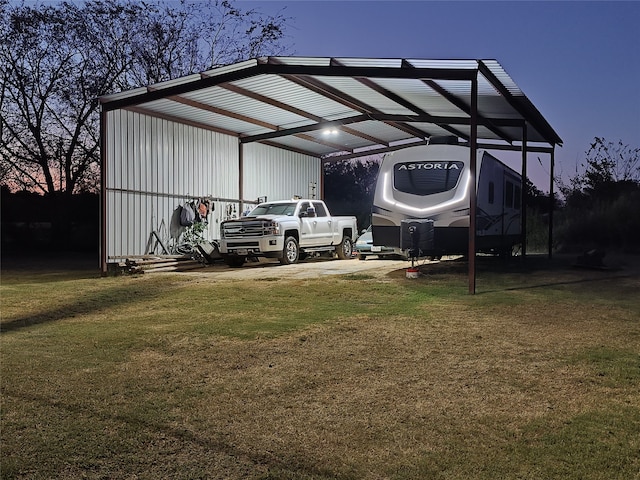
{"x":609,"y":168}
{"x":601,"y":199}
{"x":56,"y":59}
{"x":611,"y":162}
{"x":52,"y":68}
{"x":177,"y":40}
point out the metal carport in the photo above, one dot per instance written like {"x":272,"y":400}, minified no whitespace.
{"x":339,"y":108}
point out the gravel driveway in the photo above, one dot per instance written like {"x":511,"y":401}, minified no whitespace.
{"x":314,"y":268}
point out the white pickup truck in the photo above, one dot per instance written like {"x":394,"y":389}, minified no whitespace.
{"x":287,"y":230}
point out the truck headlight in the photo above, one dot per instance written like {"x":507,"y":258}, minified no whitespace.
{"x":272,"y":228}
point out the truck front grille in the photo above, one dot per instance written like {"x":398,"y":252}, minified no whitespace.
{"x":245,"y":229}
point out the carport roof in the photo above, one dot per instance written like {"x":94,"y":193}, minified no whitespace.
{"x":347,"y":107}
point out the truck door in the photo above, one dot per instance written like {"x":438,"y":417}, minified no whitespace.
{"x":323,"y":225}
{"x":315,"y":225}
{"x":306,"y":226}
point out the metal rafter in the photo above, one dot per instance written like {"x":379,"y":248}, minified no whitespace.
{"x":461,"y":105}
{"x":402,"y":101}
{"x":350,"y":131}
{"x":320,"y":122}
{"x":523,"y":106}
{"x":269,"y":101}
{"x":347,"y":100}
{"x":179,"y":120}
{"x":220,"y":111}
{"x":305,"y":128}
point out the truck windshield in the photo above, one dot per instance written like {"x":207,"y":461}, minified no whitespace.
{"x":274,"y":209}
{"x":426,"y":178}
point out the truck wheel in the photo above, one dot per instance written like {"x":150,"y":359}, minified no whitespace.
{"x":345,"y":249}
{"x":290,"y":252}
{"x":233,"y":260}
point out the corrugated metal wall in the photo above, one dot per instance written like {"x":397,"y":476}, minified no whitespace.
{"x":154,"y":166}
{"x":279,"y":174}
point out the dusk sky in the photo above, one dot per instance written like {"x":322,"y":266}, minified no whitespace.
{"x":578,"y":62}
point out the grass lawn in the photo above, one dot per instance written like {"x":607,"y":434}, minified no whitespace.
{"x":183,"y":376}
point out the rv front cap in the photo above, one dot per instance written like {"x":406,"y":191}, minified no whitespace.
{"x":429,"y":166}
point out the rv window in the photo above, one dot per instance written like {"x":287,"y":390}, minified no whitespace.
{"x":517,"y":196}
{"x":491,"y":192}
{"x":426,"y":178}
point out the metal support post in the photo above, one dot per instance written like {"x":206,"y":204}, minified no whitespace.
{"x":473,"y":156}
{"x":551,"y":201}
{"x":523,"y":192}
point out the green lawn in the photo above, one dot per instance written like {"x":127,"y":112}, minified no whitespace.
{"x":354,"y":377}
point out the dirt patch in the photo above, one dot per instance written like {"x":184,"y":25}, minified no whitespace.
{"x":266,"y":269}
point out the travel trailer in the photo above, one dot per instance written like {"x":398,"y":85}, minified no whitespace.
{"x":421,"y":202}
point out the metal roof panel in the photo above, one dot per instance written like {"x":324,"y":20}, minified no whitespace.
{"x":285,"y":91}
{"x":223,"y":99}
{"x":364,"y":94}
{"x":421,"y":95}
